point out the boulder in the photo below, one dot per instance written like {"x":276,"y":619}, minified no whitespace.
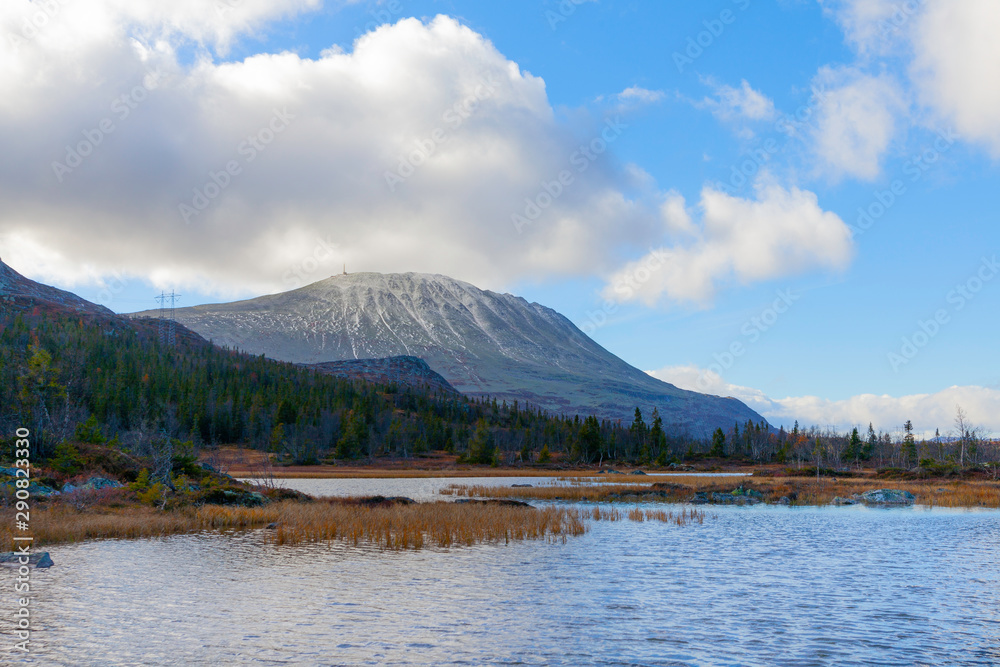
{"x":492,"y":501}
{"x":238,"y":497}
{"x":9,"y":472}
{"x":34,"y":488}
{"x":93,"y":484}
{"x":839,"y":502}
{"x":887,"y":497}
{"x":700,"y":498}
{"x":12,"y":559}
{"x":637,"y":472}
{"x":383,"y":501}
{"x":520,"y":486}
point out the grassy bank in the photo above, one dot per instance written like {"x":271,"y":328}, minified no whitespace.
{"x":385,"y":523}
{"x":798,"y":490}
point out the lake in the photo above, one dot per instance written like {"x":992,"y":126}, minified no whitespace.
{"x":751,"y":586}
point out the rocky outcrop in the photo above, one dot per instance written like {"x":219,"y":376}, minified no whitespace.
{"x":39,"y":559}
{"x":93,"y":484}
{"x":503,"y":502}
{"x":401,"y":370}
{"x":738,"y":496}
{"x":887,"y":497}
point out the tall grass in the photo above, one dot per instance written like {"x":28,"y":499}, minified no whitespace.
{"x":799,"y":490}
{"x":388,"y":526}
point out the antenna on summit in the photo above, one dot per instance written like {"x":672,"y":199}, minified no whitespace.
{"x":345,"y":268}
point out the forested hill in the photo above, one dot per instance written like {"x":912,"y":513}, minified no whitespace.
{"x":58,"y":370}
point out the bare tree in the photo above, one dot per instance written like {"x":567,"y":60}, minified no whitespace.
{"x":962,"y":431}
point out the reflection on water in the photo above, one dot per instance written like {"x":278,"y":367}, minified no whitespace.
{"x":429,"y":488}
{"x":756,"y":586}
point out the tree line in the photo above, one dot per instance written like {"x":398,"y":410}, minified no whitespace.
{"x":112,"y":381}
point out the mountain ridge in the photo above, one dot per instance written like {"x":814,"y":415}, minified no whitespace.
{"x":483,"y":343}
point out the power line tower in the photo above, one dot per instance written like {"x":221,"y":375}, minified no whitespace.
{"x":166,"y":323}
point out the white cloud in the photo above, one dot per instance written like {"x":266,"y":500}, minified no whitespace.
{"x":639,"y":95}
{"x":478,"y":132}
{"x":955,"y":66}
{"x":782,"y":231}
{"x":732,"y":103}
{"x":948,"y":50}
{"x":927,"y":411}
{"x":872,"y":26}
{"x":856,"y":120}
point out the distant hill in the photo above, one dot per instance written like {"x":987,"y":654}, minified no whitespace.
{"x":16,"y":288}
{"x":483,"y":343}
{"x":406,"y":371}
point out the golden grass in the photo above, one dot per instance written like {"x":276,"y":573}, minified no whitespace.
{"x":802,"y":490}
{"x":387,"y":526}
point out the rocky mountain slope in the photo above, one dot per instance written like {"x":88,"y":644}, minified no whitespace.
{"x":16,"y":288}
{"x":483,"y":343}
{"x":407,"y":371}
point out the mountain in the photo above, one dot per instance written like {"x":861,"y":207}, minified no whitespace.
{"x":16,"y":288}
{"x":407,"y":371}
{"x":483,"y":343}
{"x":24,"y":295}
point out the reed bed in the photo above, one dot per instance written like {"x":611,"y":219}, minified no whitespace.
{"x":799,"y":490}
{"x":387,"y":526}
{"x":415,"y":526}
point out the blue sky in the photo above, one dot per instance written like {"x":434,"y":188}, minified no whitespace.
{"x":822,"y":110}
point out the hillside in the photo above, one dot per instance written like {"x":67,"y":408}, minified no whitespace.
{"x":483,"y":343}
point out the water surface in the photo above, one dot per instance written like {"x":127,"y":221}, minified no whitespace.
{"x":753,"y":586}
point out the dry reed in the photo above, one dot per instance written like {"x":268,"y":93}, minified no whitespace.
{"x":389,"y":527}
{"x":799,"y":490}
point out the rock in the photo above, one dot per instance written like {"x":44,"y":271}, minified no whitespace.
{"x":609,"y":471}
{"x":888,"y":497}
{"x":736,"y":499}
{"x":34,"y":488}
{"x":272,"y":525}
{"x":784,"y":500}
{"x":390,"y":500}
{"x":637,"y":472}
{"x":520,"y":486}
{"x":93,"y":484}
{"x":492,"y":501}
{"x":838,"y":501}
{"x":700,"y":498}
{"x":9,"y":472}
{"x":12,"y":559}
{"x":231,"y":497}
{"x":665,"y":486}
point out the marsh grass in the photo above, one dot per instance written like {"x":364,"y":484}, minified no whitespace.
{"x":799,"y":490}
{"x":389,"y":526}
